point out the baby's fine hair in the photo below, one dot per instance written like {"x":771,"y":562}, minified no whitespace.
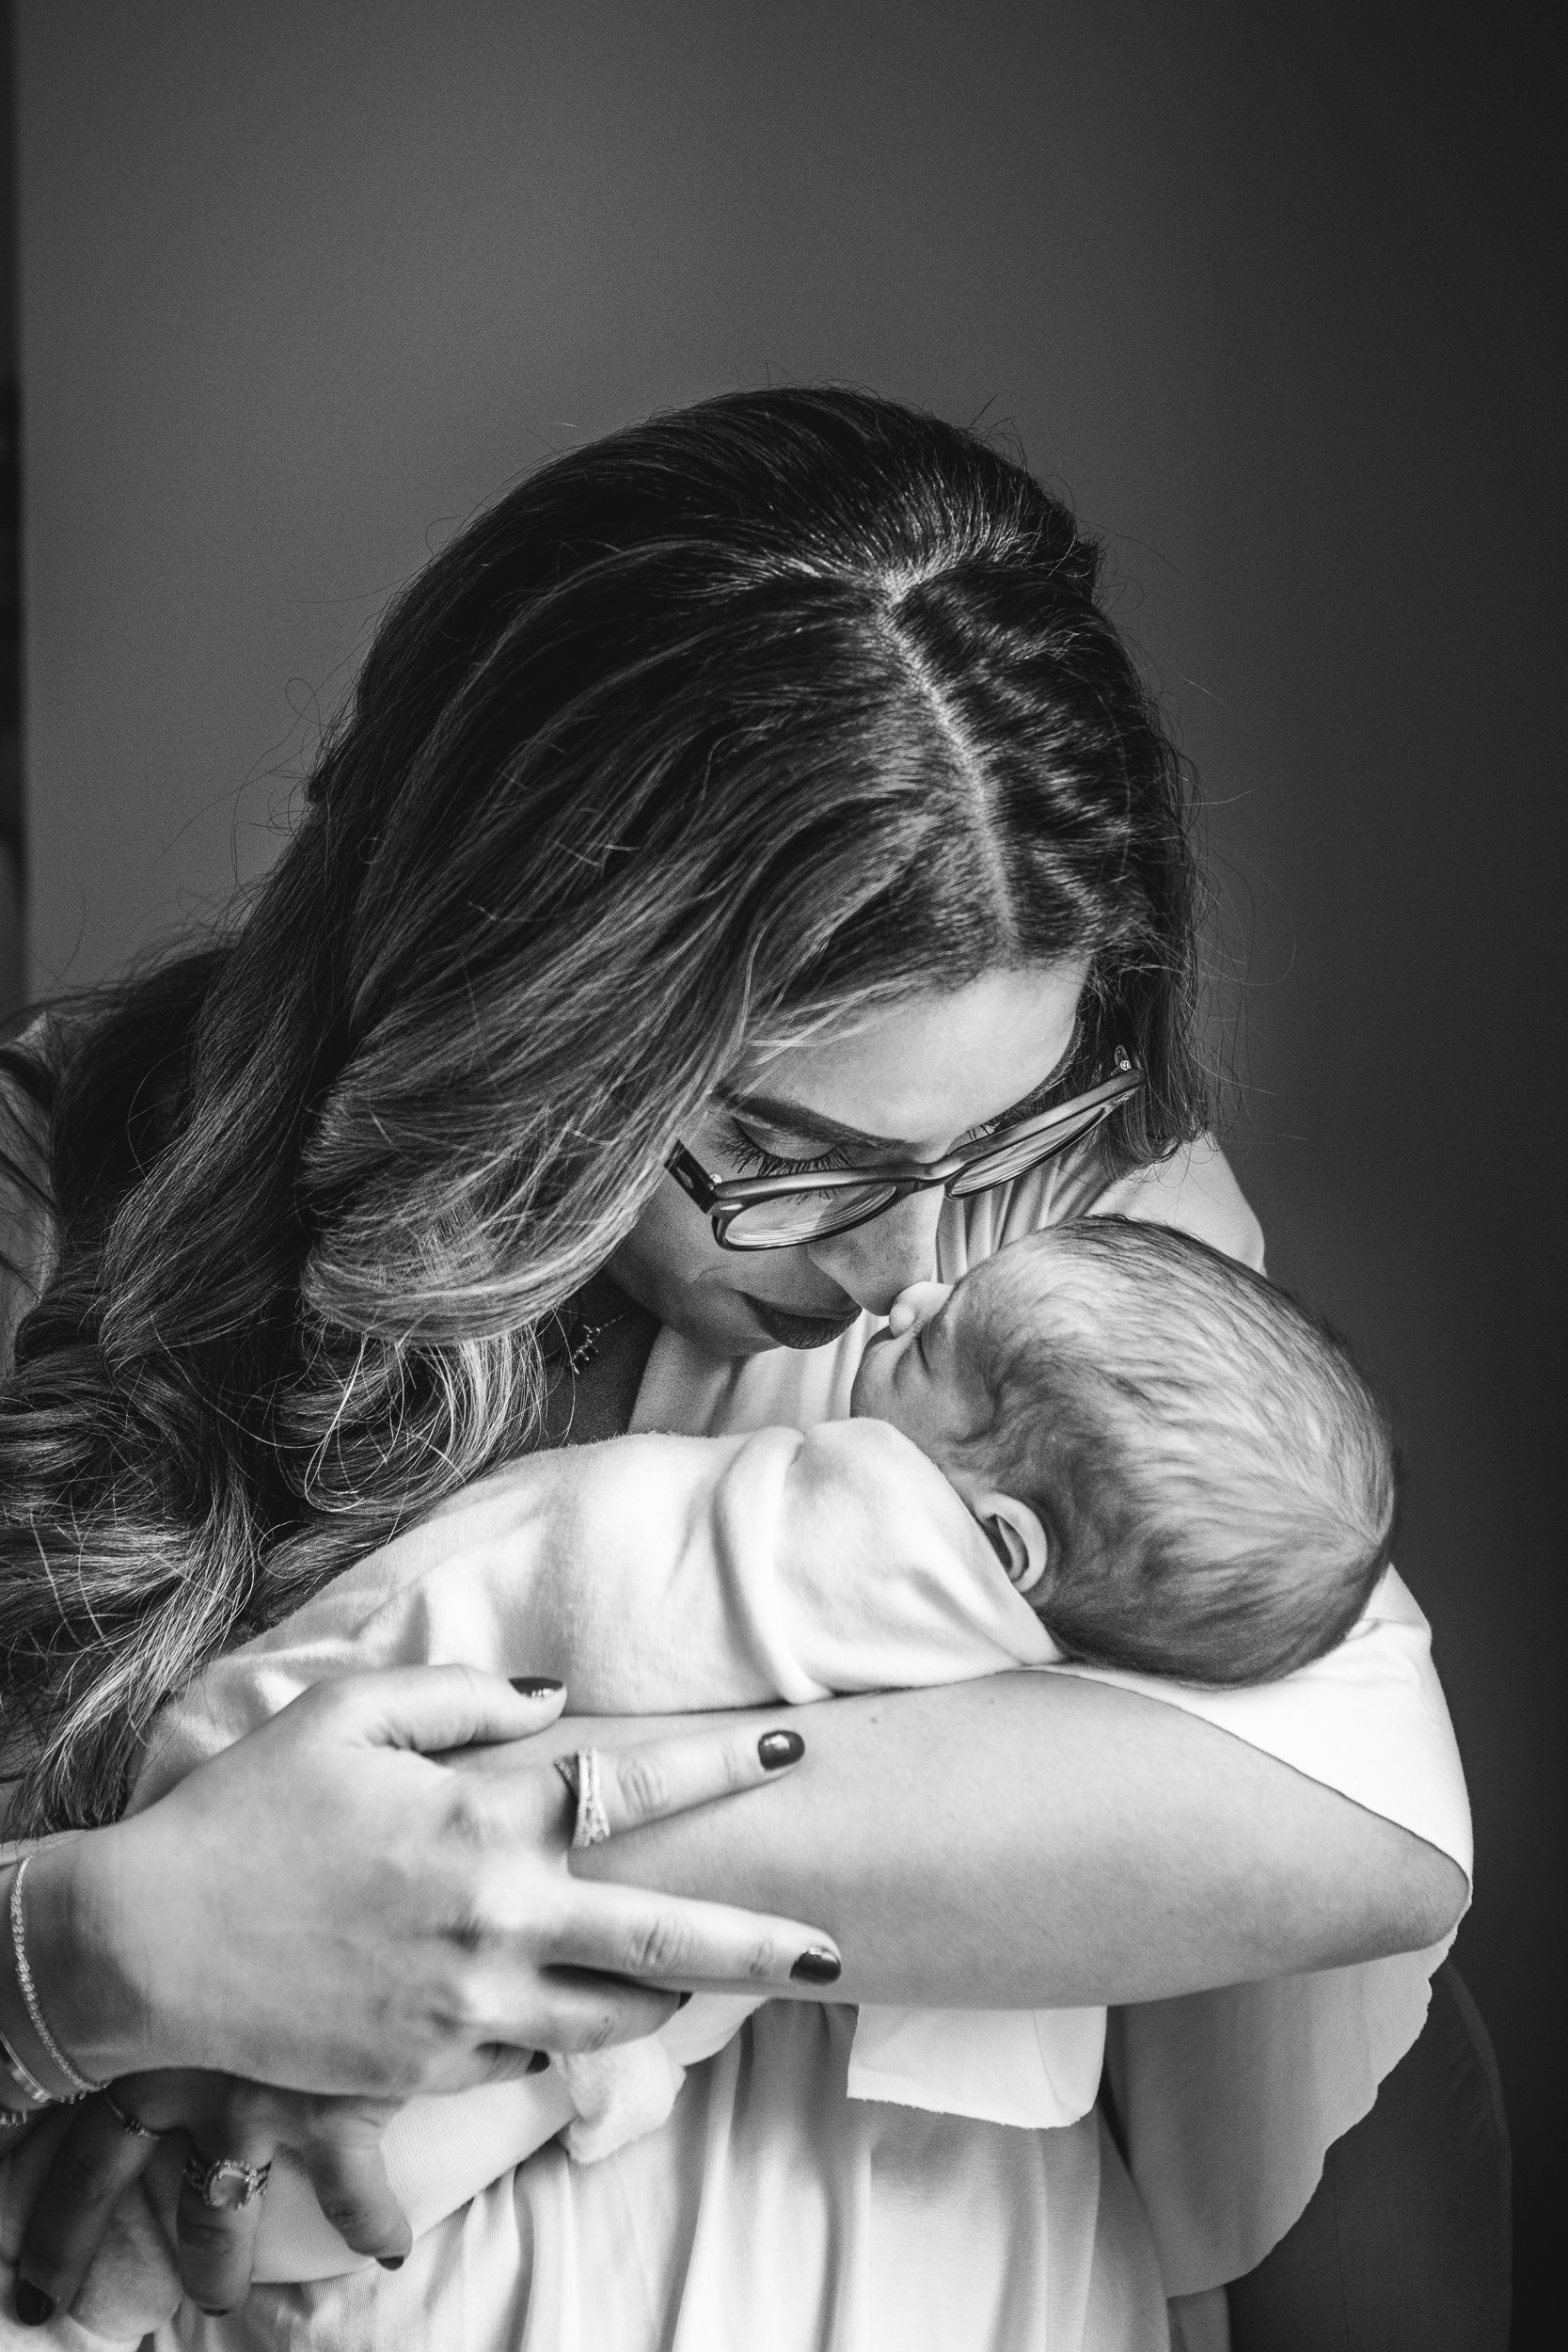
{"x":1217,"y":1480}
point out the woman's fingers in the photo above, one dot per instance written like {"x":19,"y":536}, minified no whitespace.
{"x":627,"y":1932}
{"x":432,"y":1708}
{"x":225,"y":2131}
{"x":343,"y":2156}
{"x":665,"y":1776}
{"x":219,"y":2210}
{"x":580,"y":2009}
{"x":94,"y":2164}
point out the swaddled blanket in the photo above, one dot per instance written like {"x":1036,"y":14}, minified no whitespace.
{"x":664,"y":1573}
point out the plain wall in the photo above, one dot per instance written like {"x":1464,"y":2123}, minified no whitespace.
{"x":305,"y":280}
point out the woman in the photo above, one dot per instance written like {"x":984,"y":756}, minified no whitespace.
{"x":766,"y":782}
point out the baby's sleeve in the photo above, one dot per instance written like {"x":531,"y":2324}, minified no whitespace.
{"x":637,"y":1571}
{"x":881,"y":1580}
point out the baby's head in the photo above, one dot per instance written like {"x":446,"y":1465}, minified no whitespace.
{"x":1181,"y":1467}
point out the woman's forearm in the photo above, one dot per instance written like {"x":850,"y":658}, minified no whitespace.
{"x":1042,"y":1841}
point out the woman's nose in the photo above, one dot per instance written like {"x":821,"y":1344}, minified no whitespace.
{"x":875,"y":1262}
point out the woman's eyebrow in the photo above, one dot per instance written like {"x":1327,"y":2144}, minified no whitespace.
{"x":797,"y":1119}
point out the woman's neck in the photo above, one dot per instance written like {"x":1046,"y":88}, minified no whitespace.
{"x":596,"y":1369}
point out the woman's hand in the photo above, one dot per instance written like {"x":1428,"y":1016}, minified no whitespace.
{"x":324,"y":1899}
{"x":324,"y":1907}
{"x":108,"y":2144}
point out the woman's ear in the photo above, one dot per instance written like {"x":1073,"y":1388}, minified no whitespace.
{"x":1019,"y":1539}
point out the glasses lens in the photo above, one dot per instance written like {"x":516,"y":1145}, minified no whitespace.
{"x":797,"y":1217}
{"x":1040,"y":1140}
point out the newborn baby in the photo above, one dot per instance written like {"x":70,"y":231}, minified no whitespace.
{"x":1180,"y":1469}
{"x":1106,"y":1444}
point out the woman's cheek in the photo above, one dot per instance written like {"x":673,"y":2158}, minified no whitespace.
{"x":670,"y":1264}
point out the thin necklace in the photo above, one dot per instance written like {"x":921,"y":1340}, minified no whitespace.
{"x":581,"y":1351}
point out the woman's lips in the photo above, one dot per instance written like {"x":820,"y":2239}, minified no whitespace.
{"x":789,"y":1330}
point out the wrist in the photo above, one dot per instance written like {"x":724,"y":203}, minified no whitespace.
{"x":35,"y":2071}
{"x":76,"y":1945}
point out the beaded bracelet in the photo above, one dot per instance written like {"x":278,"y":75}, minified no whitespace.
{"x":81,"y":2084}
{"x":30,"y":2087}
{"x":30,"y":2055}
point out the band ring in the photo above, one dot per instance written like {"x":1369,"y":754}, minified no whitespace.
{"x":581,"y":1775}
{"x":224,"y":2183}
{"x":127,"y":2121}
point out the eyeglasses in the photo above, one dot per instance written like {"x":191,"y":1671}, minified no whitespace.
{"x":781,"y":1212}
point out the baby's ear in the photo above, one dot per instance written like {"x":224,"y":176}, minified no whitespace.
{"x":1020,"y":1538}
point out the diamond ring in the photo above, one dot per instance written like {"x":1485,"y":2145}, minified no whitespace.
{"x":224,"y":2183}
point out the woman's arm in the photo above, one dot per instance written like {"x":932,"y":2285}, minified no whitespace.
{"x":1042,"y":1841}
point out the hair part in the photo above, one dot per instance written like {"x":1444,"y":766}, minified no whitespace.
{"x":1217,"y":1480}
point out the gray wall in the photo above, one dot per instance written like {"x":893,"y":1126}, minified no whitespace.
{"x":305,"y":280}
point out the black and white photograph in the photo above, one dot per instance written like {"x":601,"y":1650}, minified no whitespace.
{"x":781,"y":875}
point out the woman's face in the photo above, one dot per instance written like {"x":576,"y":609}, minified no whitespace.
{"x":907,"y":1081}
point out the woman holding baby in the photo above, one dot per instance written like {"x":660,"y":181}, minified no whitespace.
{"x":760,"y":796}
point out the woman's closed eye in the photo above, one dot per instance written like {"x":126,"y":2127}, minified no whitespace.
{"x":756,"y":1159}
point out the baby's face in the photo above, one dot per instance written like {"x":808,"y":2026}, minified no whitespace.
{"x":926,"y":1374}
{"x":922,"y":1374}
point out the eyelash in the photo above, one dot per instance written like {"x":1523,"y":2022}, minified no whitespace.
{"x":757,"y":1162}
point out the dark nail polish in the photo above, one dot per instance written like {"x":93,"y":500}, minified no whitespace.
{"x":538,"y":2062}
{"x":391,"y":2261}
{"x":818,"y":1967}
{"x":778,"y":1748}
{"x":33,"y":2307}
{"x":535,"y":1685}
{"x":681,"y":1999}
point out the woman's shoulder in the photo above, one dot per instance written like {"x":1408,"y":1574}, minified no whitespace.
{"x":1195,"y":1190}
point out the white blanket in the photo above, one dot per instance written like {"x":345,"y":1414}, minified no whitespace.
{"x":659,"y":1574}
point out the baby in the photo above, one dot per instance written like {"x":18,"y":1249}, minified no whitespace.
{"x":1106,"y":1445}
{"x":1180,"y":1467}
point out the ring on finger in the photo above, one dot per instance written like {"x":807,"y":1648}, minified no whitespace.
{"x":581,"y":1775}
{"x":223,"y":2183}
{"x":127,"y":2121}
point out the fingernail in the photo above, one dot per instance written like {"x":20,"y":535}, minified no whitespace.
{"x":535,"y":1685}
{"x":778,"y":1748}
{"x":538,"y":2062}
{"x":213,"y":2310}
{"x":33,"y":2307}
{"x":681,"y":1999}
{"x":391,"y":2261}
{"x":818,"y":1967}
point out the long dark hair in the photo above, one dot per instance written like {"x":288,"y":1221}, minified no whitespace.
{"x":790,"y":699}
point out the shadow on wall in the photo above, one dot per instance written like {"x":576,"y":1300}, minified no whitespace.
{"x":11,"y":958}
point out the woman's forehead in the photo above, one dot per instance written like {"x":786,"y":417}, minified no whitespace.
{"x":926,"y":1068}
